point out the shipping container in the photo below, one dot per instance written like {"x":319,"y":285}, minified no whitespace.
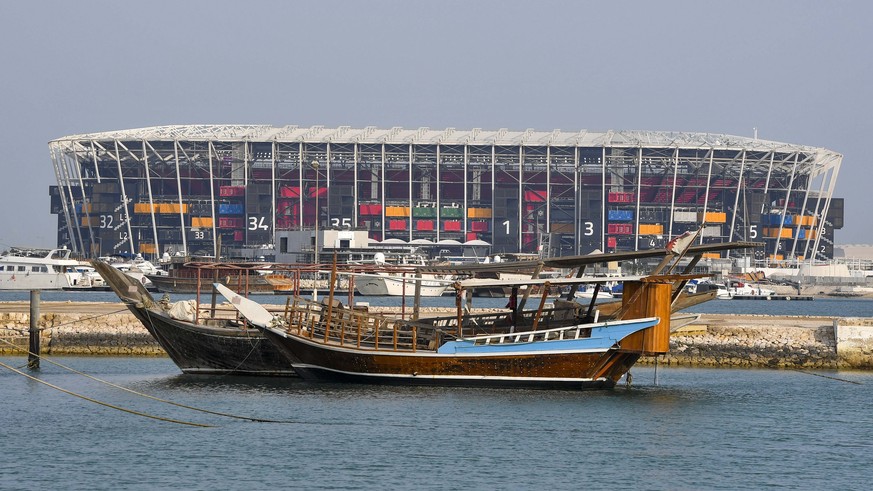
{"x":808,"y":220}
{"x":711,"y":231}
{"x":651,"y":229}
{"x":424,"y":212}
{"x":478,"y":226}
{"x":616,"y":197}
{"x":451,"y":212}
{"x":147,"y":248}
{"x":397,"y":224}
{"x":479,"y":212}
{"x":685,"y":216}
{"x":452,"y":226}
{"x":396,"y":211}
{"x":232,"y":191}
{"x":786,"y":233}
{"x":201,"y":222}
{"x":620,"y":215}
{"x":231,"y":222}
{"x":712,"y":217}
{"x":620,"y":228}
{"x":611,"y":242}
{"x":424,"y":225}
{"x":230,"y":209}
{"x":239,"y":235}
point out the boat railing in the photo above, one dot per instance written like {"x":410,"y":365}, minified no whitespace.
{"x":569,"y":332}
{"x":343,"y":326}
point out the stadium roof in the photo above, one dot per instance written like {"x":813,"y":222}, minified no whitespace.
{"x":448,"y":136}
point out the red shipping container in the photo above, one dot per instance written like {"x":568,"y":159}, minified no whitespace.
{"x":397,"y":225}
{"x":479,"y":226}
{"x":452,"y":226}
{"x":611,"y":242}
{"x":289,"y":191}
{"x":232,"y":191}
{"x":239,"y":236}
{"x":472,"y":236}
{"x":231,"y":222}
{"x":321,"y":192}
{"x":424,"y":225}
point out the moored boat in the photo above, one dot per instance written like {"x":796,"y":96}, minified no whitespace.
{"x":198,"y":343}
{"x":542,"y":348}
{"x":38,"y":269}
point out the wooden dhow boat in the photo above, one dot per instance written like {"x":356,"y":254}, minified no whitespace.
{"x":542,"y":348}
{"x":566,"y":346}
{"x":198,"y":345}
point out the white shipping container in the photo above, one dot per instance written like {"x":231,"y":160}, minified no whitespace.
{"x":711,"y":231}
{"x":685,"y":216}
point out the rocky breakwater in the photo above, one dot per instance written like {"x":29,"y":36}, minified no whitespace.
{"x":87,"y":333}
{"x":772,"y":341}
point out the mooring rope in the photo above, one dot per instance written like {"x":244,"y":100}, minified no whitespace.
{"x":165,"y":401}
{"x":106,"y":404}
{"x":827,"y":376}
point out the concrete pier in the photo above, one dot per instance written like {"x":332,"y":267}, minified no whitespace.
{"x":713,"y":341}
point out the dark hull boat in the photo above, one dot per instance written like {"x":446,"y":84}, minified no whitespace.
{"x":210,"y":346}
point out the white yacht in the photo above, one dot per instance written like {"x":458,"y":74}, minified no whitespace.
{"x":38,"y":269}
{"x":136,"y":267}
{"x":395,"y":284}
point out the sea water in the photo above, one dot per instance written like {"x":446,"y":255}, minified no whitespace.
{"x":693,"y":429}
{"x":673,"y":428}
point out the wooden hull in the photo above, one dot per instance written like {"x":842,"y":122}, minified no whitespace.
{"x":229,"y":350}
{"x":598,"y":369}
{"x":225,"y":349}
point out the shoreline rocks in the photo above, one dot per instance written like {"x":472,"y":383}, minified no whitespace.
{"x":712,"y":341}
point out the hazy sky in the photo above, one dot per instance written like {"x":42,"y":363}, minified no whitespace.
{"x":799,"y":71}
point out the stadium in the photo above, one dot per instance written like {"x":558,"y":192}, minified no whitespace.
{"x":208,"y":189}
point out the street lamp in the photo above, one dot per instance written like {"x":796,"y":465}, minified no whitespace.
{"x":315,"y":166}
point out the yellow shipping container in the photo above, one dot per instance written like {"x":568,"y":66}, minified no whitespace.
{"x":651,"y":229}
{"x":396,"y":211}
{"x":479,"y":212}
{"x":91,"y":222}
{"x":142,"y":208}
{"x":201,"y":222}
{"x":147,"y":248}
{"x":711,"y":255}
{"x":777,"y":257}
{"x":172,"y":208}
{"x":787,"y":233}
{"x":808,"y":220}
{"x":712,"y":217}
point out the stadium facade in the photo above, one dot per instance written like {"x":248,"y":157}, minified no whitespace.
{"x":196,"y":188}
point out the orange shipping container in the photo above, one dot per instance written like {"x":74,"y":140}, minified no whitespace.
{"x":651,"y":229}
{"x":396,"y":211}
{"x":712,"y":217}
{"x":147,"y":248}
{"x":201,"y":222}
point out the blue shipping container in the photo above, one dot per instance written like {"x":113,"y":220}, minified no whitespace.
{"x":230,"y":209}
{"x":620,"y":214}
